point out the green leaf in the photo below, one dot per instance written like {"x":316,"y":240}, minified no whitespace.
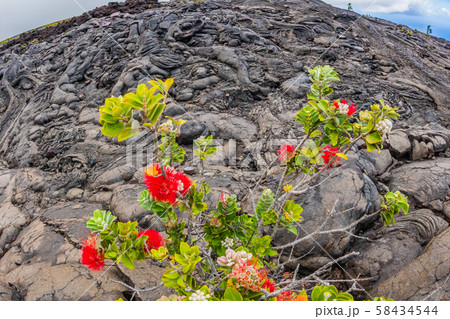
{"x":101,"y":221}
{"x":315,"y":133}
{"x":312,"y":97}
{"x":404,"y":207}
{"x":159,"y":254}
{"x":329,"y":293}
{"x":112,"y":130}
{"x":269,"y":217}
{"x":344,"y":296}
{"x":126,"y":134}
{"x":180,"y":282}
{"x":184,"y":248}
{"x":110,"y":254}
{"x":108,"y":118}
{"x":309,"y":117}
{"x":374,"y":138}
{"x":292,"y":211}
{"x":146,"y":200}
{"x":371,"y":147}
{"x":181,"y":260}
{"x":342,"y":155}
{"x":171,"y":274}
{"x":127,"y":262}
{"x":232,"y":295}
{"x":334,"y":138}
{"x":265,"y":202}
{"x":315,"y":295}
{"x":142,"y":90}
{"x":131,"y":100}
{"x":154,"y":114}
{"x":323,"y":105}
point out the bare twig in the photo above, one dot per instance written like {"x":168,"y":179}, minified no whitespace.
{"x":190,"y":216}
{"x":337,"y":230}
{"x":280,"y":185}
{"x":135,"y":291}
{"x":207,"y":254}
{"x":295,"y":283}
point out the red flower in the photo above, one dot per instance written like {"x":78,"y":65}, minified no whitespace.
{"x":351,"y":109}
{"x":154,"y":240}
{"x":346,"y":109}
{"x":329,"y":153}
{"x":269,"y":285}
{"x":286,"y":152}
{"x":91,"y":256}
{"x":286,"y":296}
{"x":165,"y":189}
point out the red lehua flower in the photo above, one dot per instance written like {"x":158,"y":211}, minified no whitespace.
{"x":91,"y":256}
{"x":165,"y":189}
{"x":344,"y":101}
{"x":154,"y":240}
{"x":328,"y":154}
{"x":336,"y":104}
{"x":286,"y":296}
{"x":269,"y":285}
{"x":351,"y":109}
{"x":286,"y":152}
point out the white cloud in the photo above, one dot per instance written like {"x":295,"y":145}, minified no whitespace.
{"x":413,"y":7}
{"x":445,"y":11}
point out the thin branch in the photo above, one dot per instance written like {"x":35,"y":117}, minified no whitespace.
{"x":296,"y":283}
{"x":296,"y":271}
{"x":304,"y":190}
{"x":207,"y":254}
{"x":291,"y":260}
{"x":337,"y":230}
{"x":190,"y":216}
{"x":280,"y":185}
{"x":259,"y":221}
{"x":136,"y":291}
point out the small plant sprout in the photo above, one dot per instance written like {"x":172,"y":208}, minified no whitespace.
{"x":204,"y":149}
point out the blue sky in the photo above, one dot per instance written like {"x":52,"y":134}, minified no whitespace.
{"x":22,"y":15}
{"x":416,"y":14}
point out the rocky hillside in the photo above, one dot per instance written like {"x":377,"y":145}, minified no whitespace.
{"x":239,"y":68}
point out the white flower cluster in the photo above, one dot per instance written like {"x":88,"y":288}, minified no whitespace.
{"x":343,"y":108}
{"x":384,"y":126}
{"x":228,"y":242}
{"x":180,"y":186}
{"x":199,"y":296}
{"x":167,"y":127}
